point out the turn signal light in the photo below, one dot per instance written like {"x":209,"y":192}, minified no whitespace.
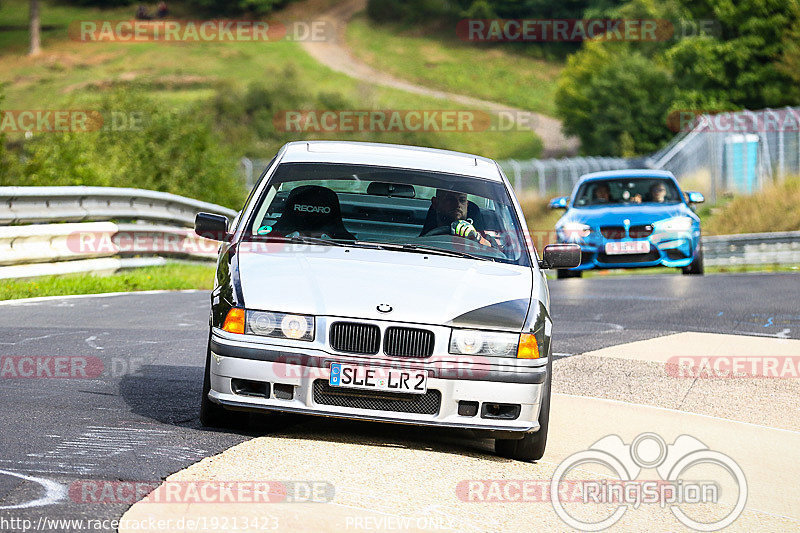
{"x":234,"y":321}
{"x":527,"y":348}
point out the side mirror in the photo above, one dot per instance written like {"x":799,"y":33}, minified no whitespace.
{"x":210,"y":226}
{"x":558,"y":203}
{"x":561,"y":256}
{"x":695,"y":198}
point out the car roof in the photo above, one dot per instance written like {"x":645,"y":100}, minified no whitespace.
{"x":391,"y":155}
{"x":626,"y":173}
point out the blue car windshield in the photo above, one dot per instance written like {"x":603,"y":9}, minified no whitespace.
{"x":627,"y":191}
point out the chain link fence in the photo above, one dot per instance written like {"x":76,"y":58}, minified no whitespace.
{"x":739,"y":152}
{"x":554,"y":177}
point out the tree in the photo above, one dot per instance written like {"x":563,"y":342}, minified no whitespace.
{"x":615,"y":100}
{"x":739,"y":64}
{"x":750,"y":60}
{"x":35,"y":25}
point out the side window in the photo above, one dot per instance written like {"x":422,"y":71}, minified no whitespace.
{"x":261,"y":217}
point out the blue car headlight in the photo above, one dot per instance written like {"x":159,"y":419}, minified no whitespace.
{"x":675,"y":224}
{"x":573,"y":231}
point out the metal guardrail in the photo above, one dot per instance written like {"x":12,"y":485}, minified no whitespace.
{"x":781,"y":248}
{"x":25,"y":205}
{"x":85,"y":239}
{"x":32,"y":250}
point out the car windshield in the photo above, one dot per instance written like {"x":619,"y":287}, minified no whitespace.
{"x":399,"y":209}
{"x":631,"y":191}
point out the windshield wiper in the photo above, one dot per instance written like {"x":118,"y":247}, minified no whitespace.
{"x":306,"y":240}
{"x":376,"y":245}
{"x":425,"y":249}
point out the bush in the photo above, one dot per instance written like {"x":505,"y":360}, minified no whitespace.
{"x":237,"y":7}
{"x":615,"y":101}
{"x":170,"y":151}
{"x":748,"y":61}
{"x":246,"y":118}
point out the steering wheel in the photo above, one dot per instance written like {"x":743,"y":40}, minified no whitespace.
{"x":441,"y":230}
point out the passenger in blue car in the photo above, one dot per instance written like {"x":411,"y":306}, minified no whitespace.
{"x":658,"y":194}
{"x":602,"y":194}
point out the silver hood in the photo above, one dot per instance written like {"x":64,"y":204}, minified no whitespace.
{"x":352,"y":282}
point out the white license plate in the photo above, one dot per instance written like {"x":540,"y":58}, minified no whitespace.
{"x":379,"y":378}
{"x":627,"y":247}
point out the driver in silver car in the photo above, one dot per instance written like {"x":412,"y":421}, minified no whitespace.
{"x":451,"y":208}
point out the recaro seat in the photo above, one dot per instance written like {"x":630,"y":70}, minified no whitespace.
{"x":312,"y":210}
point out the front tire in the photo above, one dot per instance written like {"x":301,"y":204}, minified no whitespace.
{"x":566,"y":273}
{"x":696,"y":266}
{"x":531,"y":447}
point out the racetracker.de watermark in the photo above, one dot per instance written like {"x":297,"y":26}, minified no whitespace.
{"x":578,"y":30}
{"x":198,"y":31}
{"x":69,"y":367}
{"x":401,"y":120}
{"x":716,"y":121}
{"x":733,"y":366}
{"x":452,"y":367}
{"x":93,"y":491}
{"x":69,"y":120}
{"x":140,"y":241}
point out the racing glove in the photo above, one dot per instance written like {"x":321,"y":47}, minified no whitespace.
{"x":465,"y":228}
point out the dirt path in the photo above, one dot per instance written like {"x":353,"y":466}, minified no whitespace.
{"x":335,"y":54}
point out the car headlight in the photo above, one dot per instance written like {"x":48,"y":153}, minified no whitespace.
{"x":476,"y":342}
{"x":280,"y":325}
{"x":675,"y":224}
{"x":573,"y":231}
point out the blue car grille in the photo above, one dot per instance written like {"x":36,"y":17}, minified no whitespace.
{"x":640,"y":232}
{"x":613,"y":232}
{"x":634,"y":232}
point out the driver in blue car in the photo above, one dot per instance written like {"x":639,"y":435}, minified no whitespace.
{"x":452,"y":208}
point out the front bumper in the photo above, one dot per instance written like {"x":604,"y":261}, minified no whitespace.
{"x":299,"y":368}
{"x":674,"y":250}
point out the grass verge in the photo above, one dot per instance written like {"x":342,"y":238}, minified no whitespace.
{"x":172,"y":276}
{"x":736,"y":269}
{"x":73,"y":75}
{"x":504,"y":76}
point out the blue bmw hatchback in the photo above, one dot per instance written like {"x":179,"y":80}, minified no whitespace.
{"x":631,"y":219}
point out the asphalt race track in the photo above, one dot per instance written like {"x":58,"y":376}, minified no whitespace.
{"x":135,"y":418}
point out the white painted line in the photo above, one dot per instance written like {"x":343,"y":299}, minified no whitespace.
{"x":54,"y":492}
{"x":25,"y":301}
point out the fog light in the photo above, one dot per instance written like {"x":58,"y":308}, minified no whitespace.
{"x":234,"y":321}
{"x":467,"y":408}
{"x":527,"y":348}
